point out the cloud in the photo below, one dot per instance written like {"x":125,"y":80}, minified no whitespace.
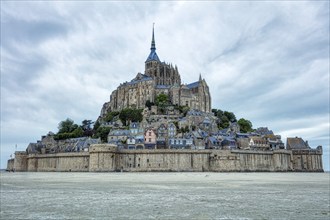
{"x":267,"y":62}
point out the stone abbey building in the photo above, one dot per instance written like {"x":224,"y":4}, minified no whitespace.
{"x":159,"y":78}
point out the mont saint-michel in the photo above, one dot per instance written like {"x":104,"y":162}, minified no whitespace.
{"x":154,"y":122}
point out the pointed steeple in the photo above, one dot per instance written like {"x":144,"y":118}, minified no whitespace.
{"x":153,"y":55}
{"x":153,"y":43}
{"x":200,"y":77}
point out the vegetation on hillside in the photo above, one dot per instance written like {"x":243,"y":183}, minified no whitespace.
{"x":68,"y":129}
{"x":245,"y":125}
{"x":225,"y":118}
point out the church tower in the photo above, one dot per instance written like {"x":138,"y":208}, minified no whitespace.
{"x":152,"y":60}
{"x":164,"y":74}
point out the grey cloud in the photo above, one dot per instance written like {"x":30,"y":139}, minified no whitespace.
{"x":33,"y":32}
{"x":264,"y":61}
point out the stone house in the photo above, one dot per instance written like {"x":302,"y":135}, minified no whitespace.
{"x":150,"y":138}
{"x":139,"y":142}
{"x":171,"y":130}
{"x":161,"y":136}
{"x":118,"y":135}
{"x":296,"y":143}
{"x":135,"y":128}
{"x":130,"y":142}
{"x":180,"y":143}
{"x":213,"y":143}
{"x":243,"y":143}
{"x":228,"y":143}
{"x":199,"y":141}
{"x":258,"y":143}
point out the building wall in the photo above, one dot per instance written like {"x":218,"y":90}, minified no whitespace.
{"x":61,"y":162}
{"x":20,"y":161}
{"x":307,"y":160}
{"x":191,"y":160}
{"x":10,"y":165}
{"x":106,"y":158}
{"x":102,"y":158}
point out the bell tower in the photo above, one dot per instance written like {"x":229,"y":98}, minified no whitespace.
{"x":152,"y":60}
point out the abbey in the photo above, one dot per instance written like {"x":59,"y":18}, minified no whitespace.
{"x":159,"y":78}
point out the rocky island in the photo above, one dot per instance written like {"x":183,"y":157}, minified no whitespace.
{"x":156,"y":123}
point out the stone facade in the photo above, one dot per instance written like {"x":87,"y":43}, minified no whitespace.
{"x":107,"y":158}
{"x":158,"y":78}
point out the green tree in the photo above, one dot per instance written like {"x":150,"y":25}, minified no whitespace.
{"x":224,"y":122}
{"x":102,"y":132}
{"x":162,"y":101}
{"x":110,"y":115}
{"x":67,"y":126}
{"x":149,"y":104}
{"x":87,"y":127}
{"x":230,"y":115}
{"x":184,"y":110}
{"x":129,"y":114}
{"x":78,"y":132}
{"x":245,"y":125}
{"x":96,"y":125}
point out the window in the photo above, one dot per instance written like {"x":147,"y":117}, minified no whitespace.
{"x":149,"y":133}
{"x":149,"y":139}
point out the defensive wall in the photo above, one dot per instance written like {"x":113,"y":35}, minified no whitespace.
{"x":107,"y":158}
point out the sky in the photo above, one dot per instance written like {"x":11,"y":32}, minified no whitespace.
{"x":267,"y":62}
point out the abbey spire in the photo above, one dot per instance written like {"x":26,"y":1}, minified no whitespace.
{"x":153,"y":43}
{"x":153,"y":55}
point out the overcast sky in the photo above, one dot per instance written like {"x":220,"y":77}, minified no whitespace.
{"x":265,"y":61}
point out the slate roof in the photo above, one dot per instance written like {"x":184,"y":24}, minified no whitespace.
{"x":193,"y":85}
{"x":143,"y":78}
{"x":153,"y":56}
{"x":194,"y":112}
{"x":119,"y":133}
{"x":162,"y":86}
{"x":296,"y":143}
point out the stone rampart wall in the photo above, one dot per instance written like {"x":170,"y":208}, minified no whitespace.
{"x":106,"y":158}
{"x":20,"y":161}
{"x":61,"y":162}
{"x":10,"y":165}
{"x":307,"y":161}
{"x":109,"y":159}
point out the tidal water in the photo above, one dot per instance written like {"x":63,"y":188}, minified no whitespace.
{"x":165,"y":196}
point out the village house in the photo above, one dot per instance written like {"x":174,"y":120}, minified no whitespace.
{"x":180,"y":143}
{"x":118,"y":135}
{"x":161,"y":136}
{"x":135,"y":128}
{"x":228,"y":143}
{"x":130,"y":142}
{"x":213,"y":142}
{"x":150,"y":138}
{"x":258,"y":143}
{"x":139,"y":142}
{"x":171,"y":130}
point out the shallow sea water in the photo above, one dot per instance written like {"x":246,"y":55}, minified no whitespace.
{"x":165,"y":196}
